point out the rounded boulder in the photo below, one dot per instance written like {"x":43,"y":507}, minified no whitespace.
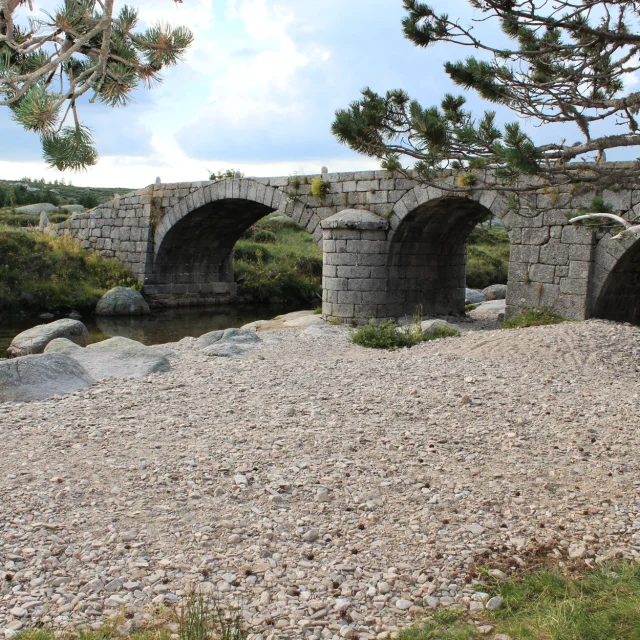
{"x":35,"y":340}
{"x":495,"y":292}
{"x":122,"y":301}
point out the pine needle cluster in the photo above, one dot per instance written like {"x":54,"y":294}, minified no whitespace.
{"x":81,"y":48}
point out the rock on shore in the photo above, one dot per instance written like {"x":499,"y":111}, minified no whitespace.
{"x":122,"y":301}
{"x":36,"y":339}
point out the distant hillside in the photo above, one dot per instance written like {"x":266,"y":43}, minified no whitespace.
{"x":63,"y":193}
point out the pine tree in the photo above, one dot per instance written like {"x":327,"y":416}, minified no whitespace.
{"x":81,"y":48}
{"x":567,"y":64}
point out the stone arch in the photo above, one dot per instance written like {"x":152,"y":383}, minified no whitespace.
{"x":193,"y":243}
{"x":427,"y":250}
{"x":245,"y":189}
{"x":615,"y":280}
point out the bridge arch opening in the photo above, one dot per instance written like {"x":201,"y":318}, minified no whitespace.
{"x":619,"y":298}
{"x":194,"y":253}
{"x":428,"y":256}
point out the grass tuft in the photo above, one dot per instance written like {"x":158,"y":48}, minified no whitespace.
{"x":533,"y":318}
{"x":387,"y":335}
{"x":202,"y":620}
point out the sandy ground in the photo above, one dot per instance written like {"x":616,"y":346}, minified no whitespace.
{"x":330,"y":490}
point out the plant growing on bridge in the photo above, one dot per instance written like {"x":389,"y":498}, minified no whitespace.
{"x":319,"y":188}
{"x":564,"y":62}
{"x":48,"y":63}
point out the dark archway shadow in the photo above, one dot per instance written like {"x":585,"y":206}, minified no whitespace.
{"x":428,"y":255}
{"x":619,"y":298}
{"x":197,"y":250}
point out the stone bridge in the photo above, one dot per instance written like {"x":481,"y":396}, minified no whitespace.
{"x":391,"y":246}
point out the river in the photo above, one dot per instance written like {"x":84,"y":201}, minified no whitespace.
{"x":158,"y":328}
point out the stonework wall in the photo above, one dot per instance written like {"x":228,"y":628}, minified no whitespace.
{"x":178,"y":240}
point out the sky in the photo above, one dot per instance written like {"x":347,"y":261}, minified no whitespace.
{"x":257,"y":91}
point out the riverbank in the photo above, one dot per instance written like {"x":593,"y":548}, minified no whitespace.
{"x":321,"y":485}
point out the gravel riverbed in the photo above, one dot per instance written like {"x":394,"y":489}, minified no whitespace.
{"x":329,"y":490}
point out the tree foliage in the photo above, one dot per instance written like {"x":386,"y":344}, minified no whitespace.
{"x":566,"y":63}
{"x":83,"y":47}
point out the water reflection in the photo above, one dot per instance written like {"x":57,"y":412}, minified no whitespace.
{"x":160,"y":327}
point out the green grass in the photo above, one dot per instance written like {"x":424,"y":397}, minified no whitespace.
{"x":38,"y":272}
{"x":278,"y":261}
{"x":533,"y":318}
{"x":385,"y":335}
{"x":600,"y":604}
{"x":487,"y":257}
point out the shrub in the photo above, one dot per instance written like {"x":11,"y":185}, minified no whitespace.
{"x":319,"y":188}
{"x":466,"y":180}
{"x":265,"y":236}
{"x":533,"y":318}
{"x":88,"y":201}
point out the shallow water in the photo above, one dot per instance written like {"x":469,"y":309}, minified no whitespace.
{"x":160,"y":327}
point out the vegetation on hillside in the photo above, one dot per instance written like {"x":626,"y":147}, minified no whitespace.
{"x":278,"y":261}
{"x":12,"y":193}
{"x":39,"y":272}
{"x":487,"y":257}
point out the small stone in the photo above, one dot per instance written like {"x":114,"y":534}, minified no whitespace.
{"x":495,"y":603}
{"x":497,"y":574}
{"x":383,"y":587}
{"x":18,"y":612}
{"x":403,"y":604}
{"x":311,"y":536}
{"x":476,"y":607}
{"x":577,"y":551}
{"x":342,"y":604}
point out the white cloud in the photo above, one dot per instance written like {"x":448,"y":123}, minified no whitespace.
{"x":264,"y":84}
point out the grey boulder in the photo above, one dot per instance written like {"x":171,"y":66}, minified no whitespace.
{"x":114,"y":358}
{"x":122,"y":301}
{"x":495,"y":292}
{"x":40,"y":377}
{"x":35,"y":340}
{"x":430,"y":328}
{"x":472,"y":296}
{"x":225,"y":350}
{"x":36,"y":209}
{"x":227,"y":343}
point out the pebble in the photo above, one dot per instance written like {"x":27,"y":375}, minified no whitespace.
{"x":324,"y":473}
{"x":495,"y":603}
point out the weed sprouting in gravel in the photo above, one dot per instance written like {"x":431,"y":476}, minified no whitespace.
{"x":387,"y":335}
{"x":533,"y":318}
{"x":203,"y":619}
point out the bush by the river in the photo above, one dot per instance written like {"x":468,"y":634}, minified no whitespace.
{"x":277,"y":260}
{"x":39,"y":272}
